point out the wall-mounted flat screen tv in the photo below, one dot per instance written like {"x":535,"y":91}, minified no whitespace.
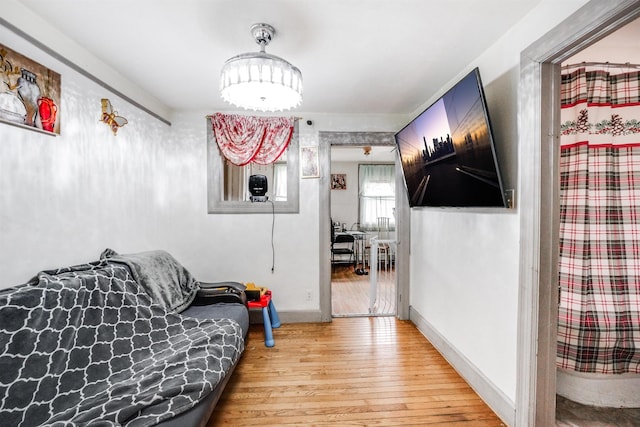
{"x":447,"y":152}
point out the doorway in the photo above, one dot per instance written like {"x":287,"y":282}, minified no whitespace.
{"x":615,"y":55}
{"x":327,"y":140}
{"x":539,"y":125}
{"x":362,"y":206}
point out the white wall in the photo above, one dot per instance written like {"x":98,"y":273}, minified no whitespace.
{"x":464,"y":263}
{"x":64,"y":199}
{"x":344,"y":203}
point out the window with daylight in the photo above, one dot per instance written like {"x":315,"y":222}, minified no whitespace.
{"x":377,"y":195}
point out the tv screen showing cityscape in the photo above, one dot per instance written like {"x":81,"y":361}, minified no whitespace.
{"x":447,"y":152}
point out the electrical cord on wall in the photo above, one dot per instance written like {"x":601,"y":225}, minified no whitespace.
{"x":273,"y":226}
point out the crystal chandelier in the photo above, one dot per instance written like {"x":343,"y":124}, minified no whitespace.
{"x":260,"y":81}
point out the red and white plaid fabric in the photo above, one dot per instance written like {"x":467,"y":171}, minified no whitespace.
{"x":599,"y":267}
{"x":246,"y":139}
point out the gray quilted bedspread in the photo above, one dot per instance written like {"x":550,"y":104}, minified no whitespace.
{"x":85,"y":346}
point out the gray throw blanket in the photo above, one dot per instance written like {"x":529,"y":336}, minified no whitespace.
{"x":85,"y":345}
{"x":167,"y":282}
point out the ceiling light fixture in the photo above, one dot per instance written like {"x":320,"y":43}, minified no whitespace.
{"x":260,"y":81}
{"x":367,"y":150}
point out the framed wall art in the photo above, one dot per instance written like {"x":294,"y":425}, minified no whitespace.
{"x":30,"y":93}
{"x":338,"y":181}
{"x":309,"y":166}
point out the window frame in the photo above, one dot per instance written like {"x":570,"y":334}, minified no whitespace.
{"x":215,"y":181}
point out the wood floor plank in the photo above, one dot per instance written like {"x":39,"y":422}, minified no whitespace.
{"x":362,"y":371}
{"x":350,"y":292}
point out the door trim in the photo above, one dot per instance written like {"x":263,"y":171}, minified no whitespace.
{"x":539,"y":130}
{"x":325,"y":141}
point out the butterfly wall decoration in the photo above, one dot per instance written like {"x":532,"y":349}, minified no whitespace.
{"x":111,"y":117}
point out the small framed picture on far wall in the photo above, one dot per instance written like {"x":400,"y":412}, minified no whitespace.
{"x":338,"y":181}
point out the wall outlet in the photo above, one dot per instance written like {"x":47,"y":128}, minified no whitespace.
{"x":309,"y":296}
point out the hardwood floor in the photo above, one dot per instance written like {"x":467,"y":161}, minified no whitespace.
{"x":360,"y":371}
{"x":350,"y":292}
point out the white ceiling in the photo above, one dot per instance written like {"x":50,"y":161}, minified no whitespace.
{"x":356,"y":56}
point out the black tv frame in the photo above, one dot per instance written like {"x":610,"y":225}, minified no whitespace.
{"x":448,"y":153}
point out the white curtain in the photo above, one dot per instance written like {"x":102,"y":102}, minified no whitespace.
{"x":377,"y":194}
{"x":280,"y":181}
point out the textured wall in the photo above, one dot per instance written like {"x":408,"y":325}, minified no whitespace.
{"x":65,"y":199}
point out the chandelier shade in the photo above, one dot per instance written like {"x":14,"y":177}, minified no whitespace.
{"x":260,"y":81}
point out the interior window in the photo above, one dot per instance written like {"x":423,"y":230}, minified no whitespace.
{"x":227,"y":184}
{"x":236,"y":180}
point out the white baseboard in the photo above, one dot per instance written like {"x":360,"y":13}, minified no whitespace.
{"x":255,"y":316}
{"x":494,"y":397}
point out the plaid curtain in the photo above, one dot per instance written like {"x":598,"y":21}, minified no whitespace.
{"x":599,"y":266}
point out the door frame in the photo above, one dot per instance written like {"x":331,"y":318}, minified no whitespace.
{"x":325,"y":141}
{"x":539,"y":131}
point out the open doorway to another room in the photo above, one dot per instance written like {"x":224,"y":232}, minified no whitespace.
{"x":539,"y":130}
{"x":599,"y":139}
{"x":363,"y":224}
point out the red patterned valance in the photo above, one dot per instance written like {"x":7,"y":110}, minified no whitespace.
{"x":246,"y":139}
